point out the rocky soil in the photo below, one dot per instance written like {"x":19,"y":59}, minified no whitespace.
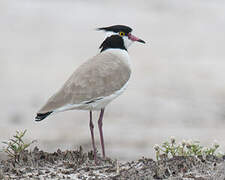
{"x":77,"y":164}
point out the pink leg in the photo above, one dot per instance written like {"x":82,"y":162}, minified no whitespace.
{"x":92,"y":136}
{"x":100,"y":131}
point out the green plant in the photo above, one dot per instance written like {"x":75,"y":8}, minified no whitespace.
{"x":185,"y":148}
{"x":16,"y":145}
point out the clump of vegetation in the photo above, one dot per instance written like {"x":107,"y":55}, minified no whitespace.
{"x":171,"y":148}
{"x":16,"y":145}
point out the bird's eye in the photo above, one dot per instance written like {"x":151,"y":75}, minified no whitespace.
{"x":122,"y":33}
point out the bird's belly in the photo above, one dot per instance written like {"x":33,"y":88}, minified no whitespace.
{"x":101,"y":102}
{"x":104,"y":101}
{"x":93,"y":104}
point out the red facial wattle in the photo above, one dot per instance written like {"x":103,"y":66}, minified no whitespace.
{"x":134,"y":38}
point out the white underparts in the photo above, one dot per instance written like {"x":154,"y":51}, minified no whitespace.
{"x":96,"y":104}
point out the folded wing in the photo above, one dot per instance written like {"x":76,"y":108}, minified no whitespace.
{"x":98,"y":77}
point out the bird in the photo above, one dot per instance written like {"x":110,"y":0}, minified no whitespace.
{"x":96,"y":82}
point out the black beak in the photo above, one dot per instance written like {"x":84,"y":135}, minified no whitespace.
{"x":141,"y":41}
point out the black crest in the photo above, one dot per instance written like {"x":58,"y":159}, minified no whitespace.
{"x":117,"y":28}
{"x":114,"y":41}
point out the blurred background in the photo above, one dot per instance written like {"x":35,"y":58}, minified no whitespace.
{"x":177,"y":87}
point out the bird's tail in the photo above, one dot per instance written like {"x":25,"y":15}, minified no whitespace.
{"x":41,"y":116}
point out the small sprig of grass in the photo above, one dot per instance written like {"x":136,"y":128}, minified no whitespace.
{"x":171,"y":148}
{"x":16,"y":145}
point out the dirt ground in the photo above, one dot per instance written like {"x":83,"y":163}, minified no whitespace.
{"x":77,"y":164}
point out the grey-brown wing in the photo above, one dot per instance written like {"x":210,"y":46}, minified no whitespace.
{"x":98,"y":77}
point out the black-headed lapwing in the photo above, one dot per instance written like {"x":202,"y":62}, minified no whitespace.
{"x":98,"y":81}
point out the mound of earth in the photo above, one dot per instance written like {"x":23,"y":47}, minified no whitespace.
{"x":37,"y":164}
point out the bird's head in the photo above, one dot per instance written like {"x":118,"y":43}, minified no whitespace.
{"x":118,"y":36}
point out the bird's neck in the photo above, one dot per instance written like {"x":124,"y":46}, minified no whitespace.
{"x":120,"y":54}
{"x":113,"y":42}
